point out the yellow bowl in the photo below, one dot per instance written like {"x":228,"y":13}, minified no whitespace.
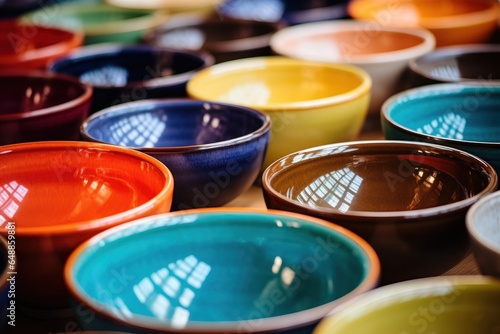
{"x":310,"y":103}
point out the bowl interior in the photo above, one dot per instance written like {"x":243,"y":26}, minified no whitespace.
{"x":485,"y":222}
{"x":452,"y":112}
{"x":270,"y":83}
{"x":24,"y":93}
{"x":56,"y":185}
{"x":118,"y":67}
{"x":172,"y":124}
{"x":191,"y":267}
{"x":376,"y":178}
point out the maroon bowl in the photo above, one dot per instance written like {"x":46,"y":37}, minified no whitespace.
{"x":36,"y":106}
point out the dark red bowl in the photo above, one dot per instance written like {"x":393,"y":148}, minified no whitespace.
{"x":36,"y":106}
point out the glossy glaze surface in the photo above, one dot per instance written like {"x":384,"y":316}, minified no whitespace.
{"x":324,"y":103}
{"x":25,"y":46}
{"x":61,"y":193}
{"x":99,"y":22}
{"x":455,"y":304}
{"x":122,"y":74}
{"x":452,"y":22}
{"x":215,"y":151}
{"x":384,"y":52}
{"x":408,"y":200}
{"x":37,"y":106}
{"x":483,"y":224}
{"x":196,"y":262}
{"x":462,"y":116}
{"x":465,"y":63}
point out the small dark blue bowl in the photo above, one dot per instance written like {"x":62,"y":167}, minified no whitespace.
{"x":215,"y":151}
{"x":289,"y":12}
{"x":120,"y":73}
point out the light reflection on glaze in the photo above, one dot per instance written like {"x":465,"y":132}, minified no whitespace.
{"x":450,"y":125}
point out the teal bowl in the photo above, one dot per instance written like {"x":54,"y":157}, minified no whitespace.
{"x":463,"y":116}
{"x":218,"y":270}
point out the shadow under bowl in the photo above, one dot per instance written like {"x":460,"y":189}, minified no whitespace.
{"x":120,"y":73}
{"x":58,"y":194}
{"x":220,"y":270}
{"x":215,"y":151}
{"x":40,"y":106}
{"x":464,"y":116}
{"x":407,"y":199}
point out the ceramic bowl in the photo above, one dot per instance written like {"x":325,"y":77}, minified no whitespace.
{"x":382,"y":51}
{"x":99,"y":22}
{"x":214,"y":151}
{"x":7,"y":283}
{"x":462,"y":116}
{"x":483,"y":225}
{"x":452,"y":22}
{"x":464,"y":63}
{"x":407,"y":199}
{"x":310,"y":103}
{"x":58,"y":194}
{"x":221,"y":270}
{"x":25,"y":46}
{"x":124,"y":73}
{"x":453,"y":304}
{"x":39,"y":106}
{"x":173,"y":6}
{"x":227,"y":39}
{"x":290,"y":12}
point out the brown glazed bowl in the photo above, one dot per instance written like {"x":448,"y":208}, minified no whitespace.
{"x":407,"y":199}
{"x":225,"y":39}
{"x":464,"y":63}
{"x":37,"y":106}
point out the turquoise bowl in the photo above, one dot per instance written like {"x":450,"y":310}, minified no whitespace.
{"x":218,"y":270}
{"x":463,"y":116}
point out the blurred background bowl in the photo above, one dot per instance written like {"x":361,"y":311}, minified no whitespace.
{"x":225,"y":39}
{"x":172,"y":6}
{"x":7,"y":265}
{"x":59,"y":194}
{"x":464,"y":116}
{"x":38,"y":106}
{"x":220,"y":270}
{"x":463,"y":63}
{"x":382,"y":51}
{"x":453,"y":304}
{"x":98,"y":22}
{"x":25,"y":46}
{"x":483,"y":224}
{"x":215,"y":151}
{"x":290,"y":12}
{"x":310,"y":103}
{"x":407,"y":199}
{"x":124,"y":73}
{"x":451,"y":21}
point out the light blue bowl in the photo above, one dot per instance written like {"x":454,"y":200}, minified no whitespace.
{"x":463,"y":116}
{"x":219,"y":270}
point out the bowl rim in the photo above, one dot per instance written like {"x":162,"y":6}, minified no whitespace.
{"x":10,"y":268}
{"x":289,"y":321}
{"x":75,"y":39}
{"x":471,"y":222}
{"x":384,"y":217}
{"x":174,"y":5}
{"x":194,"y":86}
{"x":436,"y":90}
{"x":149,"y":19}
{"x":308,"y":30}
{"x":47,"y":76}
{"x":465,"y":19}
{"x":451,"y":52}
{"x":130,"y":108}
{"x":96,"y":224}
{"x":97,"y":51}
{"x":395,"y":293}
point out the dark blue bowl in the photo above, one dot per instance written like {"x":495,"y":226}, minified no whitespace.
{"x":215,"y":151}
{"x":122,"y":73}
{"x":290,"y":12}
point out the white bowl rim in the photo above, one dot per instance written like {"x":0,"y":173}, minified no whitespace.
{"x":471,"y":220}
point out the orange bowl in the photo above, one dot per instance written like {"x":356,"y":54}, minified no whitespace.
{"x":451,"y":21}
{"x":58,"y":194}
